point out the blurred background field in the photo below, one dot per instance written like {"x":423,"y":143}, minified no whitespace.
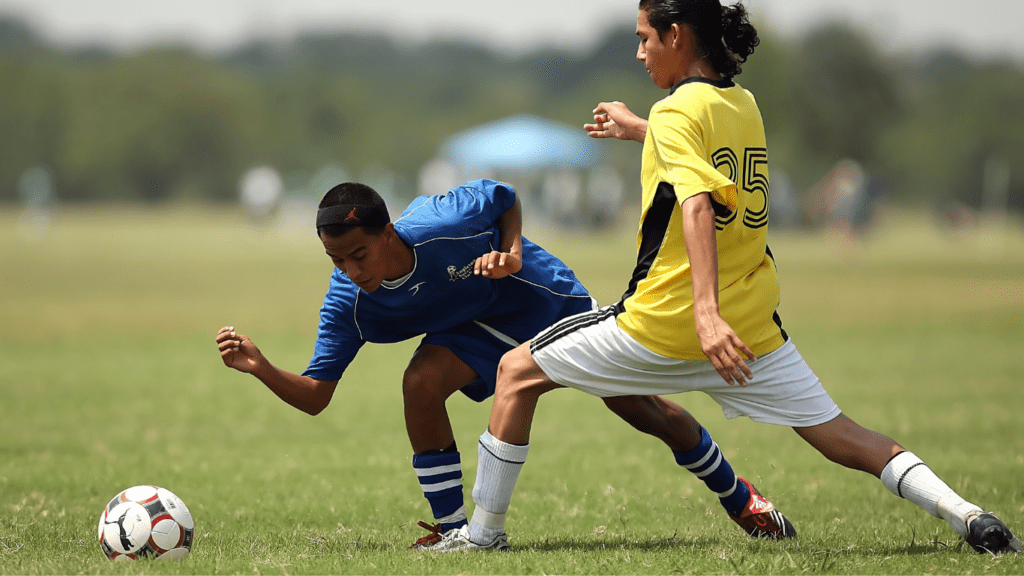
{"x":928,"y":124}
{"x":110,"y":378}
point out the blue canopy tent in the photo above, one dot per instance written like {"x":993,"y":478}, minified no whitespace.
{"x":522,"y":143}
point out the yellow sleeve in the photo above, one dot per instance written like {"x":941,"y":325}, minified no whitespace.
{"x":680,"y":146}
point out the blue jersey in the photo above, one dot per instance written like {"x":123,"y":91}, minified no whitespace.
{"x":442,"y":296}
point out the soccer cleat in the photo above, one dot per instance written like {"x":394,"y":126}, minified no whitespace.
{"x":457,"y":540}
{"x":986,"y":533}
{"x":430,"y":539}
{"x":760,"y":519}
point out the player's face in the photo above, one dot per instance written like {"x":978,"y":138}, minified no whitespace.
{"x":658,"y":57}
{"x":358,"y":255}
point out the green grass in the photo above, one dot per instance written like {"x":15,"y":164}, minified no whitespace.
{"x":109,"y":377}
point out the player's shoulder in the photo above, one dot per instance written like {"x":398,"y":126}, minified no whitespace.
{"x":481,"y":189}
{"x":477,"y":199}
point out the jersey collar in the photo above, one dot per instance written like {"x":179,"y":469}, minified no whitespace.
{"x":397,"y":282}
{"x":723,"y":83}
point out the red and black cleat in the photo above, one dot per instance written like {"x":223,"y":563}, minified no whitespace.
{"x":760,"y":519}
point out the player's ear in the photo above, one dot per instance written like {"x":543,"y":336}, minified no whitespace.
{"x":675,"y":36}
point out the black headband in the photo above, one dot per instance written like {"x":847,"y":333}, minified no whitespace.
{"x":352,"y":215}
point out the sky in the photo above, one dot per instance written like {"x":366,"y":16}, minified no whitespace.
{"x":982,"y":29}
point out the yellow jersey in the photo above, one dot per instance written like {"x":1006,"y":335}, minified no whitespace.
{"x":706,"y":136}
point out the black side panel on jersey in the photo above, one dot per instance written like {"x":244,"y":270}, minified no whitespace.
{"x":652,"y":235}
{"x":775,"y":315}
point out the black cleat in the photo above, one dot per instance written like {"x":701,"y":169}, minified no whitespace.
{"x":986,"y":533}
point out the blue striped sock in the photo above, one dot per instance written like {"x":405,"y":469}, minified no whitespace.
{"x":707,"y":463}
{"x":440,"y":476}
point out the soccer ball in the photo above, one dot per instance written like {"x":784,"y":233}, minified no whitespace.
{"x":146,"y":521}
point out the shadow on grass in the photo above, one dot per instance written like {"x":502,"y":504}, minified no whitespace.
{"x":715,"y":544}
{"x":614,"y":543}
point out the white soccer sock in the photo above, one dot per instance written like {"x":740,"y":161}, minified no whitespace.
{"x":907,"y":476}
{"x":497,"y":471}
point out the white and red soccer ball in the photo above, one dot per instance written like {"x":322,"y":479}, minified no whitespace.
{"x":146,"y":521}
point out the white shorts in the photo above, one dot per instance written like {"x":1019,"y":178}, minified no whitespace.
{"x":591,"y":353}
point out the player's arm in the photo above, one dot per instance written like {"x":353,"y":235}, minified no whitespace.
{"x":718,"y":340}
{"x":307,"y":394}
{"x":614,"y":120}
{"x":508,"y":259}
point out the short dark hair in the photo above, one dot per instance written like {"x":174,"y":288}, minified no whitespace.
{"x":354,"y":194}
{"x":725,"y":33}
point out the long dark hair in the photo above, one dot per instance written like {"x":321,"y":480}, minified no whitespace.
{"x":725,"y":33}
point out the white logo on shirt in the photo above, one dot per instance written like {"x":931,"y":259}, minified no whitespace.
{"x":461,"y":274}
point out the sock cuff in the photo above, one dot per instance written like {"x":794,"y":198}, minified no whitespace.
{"x":702,"y":451}
{"x":432,"y":460}
{"x":511,"y":453}
{"x":897,"y":469}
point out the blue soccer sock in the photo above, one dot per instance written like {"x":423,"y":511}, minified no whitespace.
{"x":707,"y":463}
{"x":440,"y":476}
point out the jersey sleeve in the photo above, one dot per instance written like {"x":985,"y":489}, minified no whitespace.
{"x":474,"y":207}
{"x":338,"y":338}
{"x":681,"y":147}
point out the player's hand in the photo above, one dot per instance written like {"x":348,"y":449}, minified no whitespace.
{"x":722,"y":346}
{"x":496,"y":264}
{"x":238,"y":351}
{"x":614,"y":120}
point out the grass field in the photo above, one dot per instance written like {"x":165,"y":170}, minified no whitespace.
{"x":109,"y":377}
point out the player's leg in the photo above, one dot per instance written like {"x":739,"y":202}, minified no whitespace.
{"x":659,"y":417}
{"x":845,"y":442}
{"x":695,"y":450}
{"x":503,"y":448}
{"x":588,"y":352}
{"x":434,"y":374}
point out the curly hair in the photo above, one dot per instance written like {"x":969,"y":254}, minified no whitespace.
{"x":725,"y":33}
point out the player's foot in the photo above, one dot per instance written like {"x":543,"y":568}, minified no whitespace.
{"x":429,"y":540}
{"x":760,"y":519}
{"x":986,"y":533}
{"x":457,"y":539}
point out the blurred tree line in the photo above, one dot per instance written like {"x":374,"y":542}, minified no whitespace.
{"x":171,"y":123}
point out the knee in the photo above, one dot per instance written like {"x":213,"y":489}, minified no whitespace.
{"x":519,"y":377}
{"x":511,"y":373}
{"x":422,"y":385}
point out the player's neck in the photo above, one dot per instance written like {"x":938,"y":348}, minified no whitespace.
{"x":401,"y":259}
{"x":701,"y":68}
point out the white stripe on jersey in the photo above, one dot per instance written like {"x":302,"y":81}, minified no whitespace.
{"x":454,"y":238}
{"x":503,"y":337}
{"x":552,"y":291}
{"x":355,"y":317}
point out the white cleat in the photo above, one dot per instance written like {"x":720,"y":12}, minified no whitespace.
{"x":458,"y":540}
